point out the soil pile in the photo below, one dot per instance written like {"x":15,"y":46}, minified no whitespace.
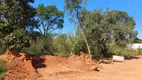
{"x":19,"y":68}
{"x":61,"y":65}
{"x":82,"y":62}
{"x":24,"y":67}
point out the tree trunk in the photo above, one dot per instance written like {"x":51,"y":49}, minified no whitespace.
{"x":86,"y":42}
{"x":84,"y":37}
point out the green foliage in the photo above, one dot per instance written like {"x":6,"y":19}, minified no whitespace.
{"x":104,"y":28}
{"x":42,"y":43}
{"x":17,"y":39}
{"x":121,"y":51}
{"x":31,"y":51}
{"x":18,"y":21}
{"x":75,"y":9}
{"x":2,"y":50}
{"x":80,"y":45}
{"x":73,"y":6}
{"x":63,"y":45}
{"x":139,"y":51}
{"x":137,"y":40}
{"x":2,"y":69}
{"x":15,"y":16}
{"x":49,"y":18}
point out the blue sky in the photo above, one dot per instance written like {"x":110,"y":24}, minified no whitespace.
{"x":132,"y":7}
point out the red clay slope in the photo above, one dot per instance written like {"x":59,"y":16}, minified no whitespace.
{"x":24,"y":67}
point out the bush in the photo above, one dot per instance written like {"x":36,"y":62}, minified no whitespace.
{"x":63,"y":45}
{"x":122,"y":51}
{"x":140,"y":51}
{"x":2,"y":50}
{"x":31,"y":51}
{"x":2,"y":69}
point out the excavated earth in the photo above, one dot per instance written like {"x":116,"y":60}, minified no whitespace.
{"x":24,"y":67}
{"x":21,"y":66}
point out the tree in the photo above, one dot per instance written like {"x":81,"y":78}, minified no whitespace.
{"x":109,"y":27}
{"x":15,"y":16}
{"x":75,"y":8}
{"x":137,"y":40}
{"x":123,"y":27}
{"x":49,"y":18}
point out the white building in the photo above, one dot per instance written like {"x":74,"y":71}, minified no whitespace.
{"x":135,"y":45}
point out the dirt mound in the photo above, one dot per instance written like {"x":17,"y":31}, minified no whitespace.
{"x":62,"y":65}
{"x":19,"y":68}
{"x":24,"y":67}
{"x":82,"y":62}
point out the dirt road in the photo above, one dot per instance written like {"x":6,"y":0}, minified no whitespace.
{"x":128,"y":70}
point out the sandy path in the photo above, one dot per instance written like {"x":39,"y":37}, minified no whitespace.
{"x":128,"y":70}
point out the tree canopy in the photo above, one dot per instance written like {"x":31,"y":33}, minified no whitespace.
{"x":15,"y":16}
{"x":33,"y":29}
{"x":49,"y":18}
{"x":109,"y":27}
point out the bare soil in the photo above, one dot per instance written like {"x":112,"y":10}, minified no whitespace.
{"x":24,"y":67}
{"x":21,"y":66}
{"x":127,"y":70}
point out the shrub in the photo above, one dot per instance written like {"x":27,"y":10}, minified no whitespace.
{"x":31,"y":51}
{"x":2,"y":69}
{"x":122,"y":51}
{"x":140,"y":51}
{"x":2,"y":50}
{"x":64,"y":45}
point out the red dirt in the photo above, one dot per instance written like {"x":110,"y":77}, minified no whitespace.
{"x":18,"y":68}
{"x":61,"y":65}
{"x":24,"y":67}
{"x":127,"y":70}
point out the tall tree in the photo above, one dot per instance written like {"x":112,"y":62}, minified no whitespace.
{"x":123,"y":27}
{"x":75,"y":8}
{"x":49,"y":18}
{"x":15,"y":16}
{"x":108,"y":27}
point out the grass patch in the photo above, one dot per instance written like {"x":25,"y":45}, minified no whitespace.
{"x":2,"y":69}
